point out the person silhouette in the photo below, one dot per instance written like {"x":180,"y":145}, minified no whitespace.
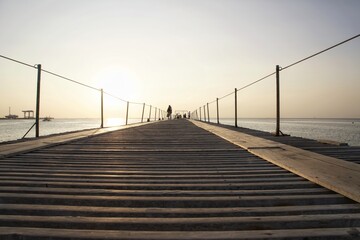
{"x":169,"y":112}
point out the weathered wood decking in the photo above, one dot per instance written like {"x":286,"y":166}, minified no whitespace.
{"x":165,"y":180}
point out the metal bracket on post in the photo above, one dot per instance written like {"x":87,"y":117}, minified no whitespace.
{"x":277,"y":133}
{"x":37,"y":121}
{"x":236,"y":125}
{"x":102,"y":108}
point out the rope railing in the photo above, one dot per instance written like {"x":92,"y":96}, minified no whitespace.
{"x":197,"y":114}
{"x":158,"y":111}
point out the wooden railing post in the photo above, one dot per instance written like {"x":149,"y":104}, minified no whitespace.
{"x":127,"y":113}
{"x":37,"y":120}
{"x":207,"y":105}
{"x":155,"y":113}
{"x":277,"y":133}
{"x":217,"y":110}
{"x":204,"y":114}
{"x":142,"y":115}
{"x":102,"y":109}
{"x":200,"y":112}
{"x":149,"y":119}
{"x":236,"y":117}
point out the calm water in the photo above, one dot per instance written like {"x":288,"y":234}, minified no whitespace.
{"x":341,"y":130}
{"x":16,"y":129}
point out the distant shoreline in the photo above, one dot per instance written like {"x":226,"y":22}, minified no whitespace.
{"x":227,"y":118}
{"x":19,"y":118}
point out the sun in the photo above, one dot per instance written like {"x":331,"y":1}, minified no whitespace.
{"x":118,"y":82}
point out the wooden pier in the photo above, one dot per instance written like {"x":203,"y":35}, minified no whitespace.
{"x":177,"y":179}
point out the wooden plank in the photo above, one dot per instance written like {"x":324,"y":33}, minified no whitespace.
{"x":30,"y":145}
{"x":165,"y":180}
{"x":186,"y":224}
{"x":59,"y":210}
{"x":49,"y":233}
{"x":335,"y":174}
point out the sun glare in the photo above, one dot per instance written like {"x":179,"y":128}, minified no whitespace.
{"x":111,"y":122}
{"x":118,"y":82}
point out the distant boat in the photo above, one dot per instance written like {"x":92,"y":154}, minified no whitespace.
{"x":47,"y":119}
{"x":11,"y":116}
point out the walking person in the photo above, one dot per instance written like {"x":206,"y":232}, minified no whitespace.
{"x":169,"y":112}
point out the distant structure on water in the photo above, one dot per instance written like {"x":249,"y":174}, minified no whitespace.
{"x":28,"y":114}
{"x":11,"y":116}
{"x":47,"y":119}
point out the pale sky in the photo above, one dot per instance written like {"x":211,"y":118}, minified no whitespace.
{"x":181,"y":52}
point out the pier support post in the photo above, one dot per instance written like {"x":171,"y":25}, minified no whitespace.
{"x":217,"y":110}
{"x":37,"y":121}
{"x":142,"y":115}
{"x":207,"y":105}
{"x":127,"y":113}
{"x":102,"y":109}
{"x":277,"y":132}
{"x":236,"y":117}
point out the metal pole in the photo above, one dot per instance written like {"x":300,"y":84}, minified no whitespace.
{"x":236,"y":125}
{"x":142,"y":116}
{"x":102,"y":108}
{"x":127,"y":113}
{"x":277,"y":133}
{"x":208,"y":112}
{"x":150,"y":113}
{"x":200,"y":112}
{"x":217,"y":110}
{"x":37,"y":121}
{"x":204,"y":114}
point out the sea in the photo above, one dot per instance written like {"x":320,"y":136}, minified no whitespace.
{"x":339,"y":130}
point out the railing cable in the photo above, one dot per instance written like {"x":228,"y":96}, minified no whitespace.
{"x":246,"y":86}
{"x":226,"y":95}
{"x":109,"y":94}
{"x":68,"y":79}
{"x":297,"y":62}
{"x":327,"y":49}
{"x":11,"y":59}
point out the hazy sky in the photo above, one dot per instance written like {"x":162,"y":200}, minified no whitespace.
{"x":184,"y":53}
